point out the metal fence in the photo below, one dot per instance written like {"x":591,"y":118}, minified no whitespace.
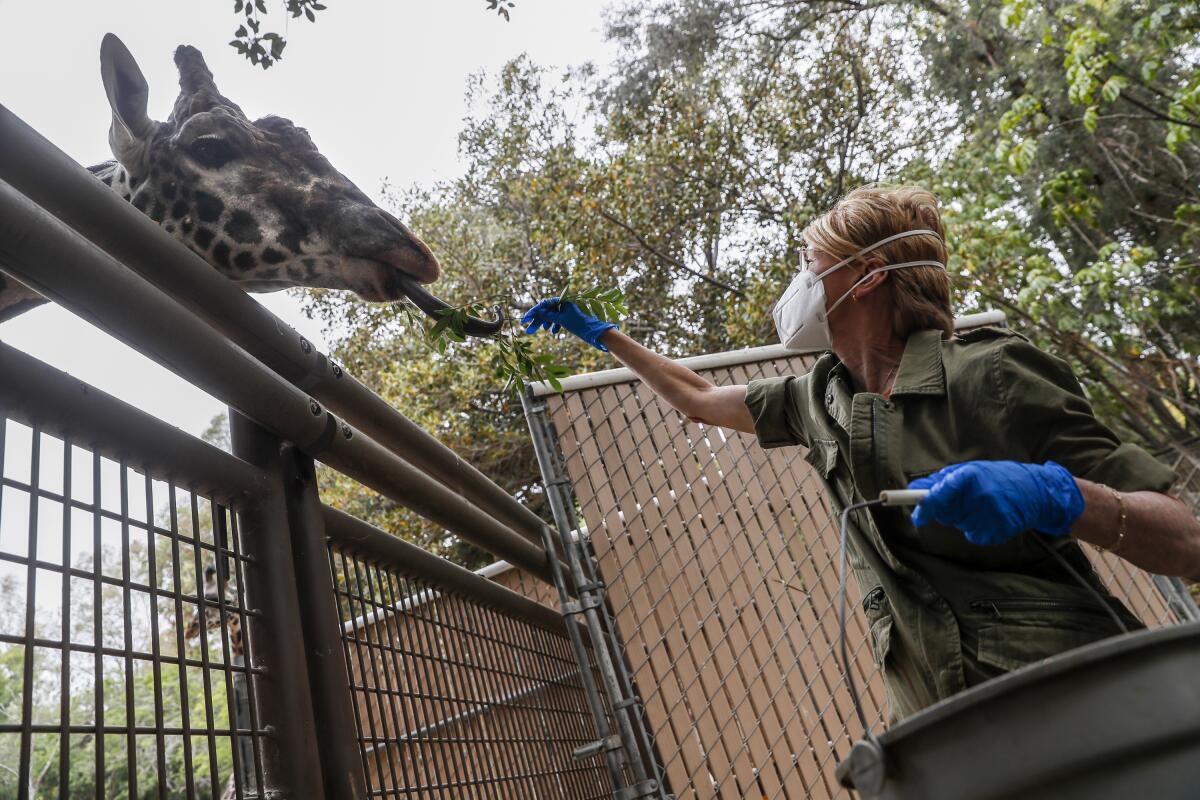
{"x":719,"y":560}
{"x":177,"y":621}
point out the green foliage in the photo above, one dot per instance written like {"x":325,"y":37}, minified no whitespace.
{"x":266,"y":48}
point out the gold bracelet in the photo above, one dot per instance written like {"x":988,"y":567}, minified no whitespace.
{"x":1121,"y":516}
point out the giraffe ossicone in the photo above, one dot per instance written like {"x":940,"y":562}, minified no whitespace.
{"x":255,"y":199}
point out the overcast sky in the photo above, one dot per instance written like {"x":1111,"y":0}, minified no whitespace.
{"x":378,"y":84}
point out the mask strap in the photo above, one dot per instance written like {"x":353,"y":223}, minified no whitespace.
{"x":888,"y":268}
{"x":878,"y":244}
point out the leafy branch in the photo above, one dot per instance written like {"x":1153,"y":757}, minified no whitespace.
{"x":515,"y":360}
{"x":265,"y":49}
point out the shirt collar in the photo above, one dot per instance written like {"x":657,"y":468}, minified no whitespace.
{"x":921,"y":369}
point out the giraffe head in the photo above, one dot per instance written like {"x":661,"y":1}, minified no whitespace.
{"x":255,"y":198}
{"x":212,"y":614}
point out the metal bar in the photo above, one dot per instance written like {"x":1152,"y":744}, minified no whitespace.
{"x":329,"y":681}
{"x":30,"y":617}
{"x":37,"y":394}
{"x":130,"y":713}
{"x":36,"y":168}
{"x":290,"y":754}
{"x":618,"y":689}
{"x":248,"y":686}
{"x":160,"y":749}
{"x":729,"y":358}
{"x":363,"y":539}
{"x":97,"y":626}
{"x":205,"y":669}
{"x":64,"y":700}
{"x":42,"y":252}
{"x":185,"y":709}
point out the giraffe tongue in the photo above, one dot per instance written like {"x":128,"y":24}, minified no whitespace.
{"x":432,"y":305}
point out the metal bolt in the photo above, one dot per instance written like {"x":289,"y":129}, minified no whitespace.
{"x":305,"y":346}
{"x":337,"y":371}
{"x":347,"y":431}
{"x":314,"y":407}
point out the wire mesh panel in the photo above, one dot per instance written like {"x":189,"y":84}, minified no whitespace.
{"x":720,"y":560}
{"x":456,"y":699}
{"x":122,"y":665}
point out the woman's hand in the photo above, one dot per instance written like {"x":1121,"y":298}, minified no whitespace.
{"x":993,"y":501}
{"x":554,"y":314}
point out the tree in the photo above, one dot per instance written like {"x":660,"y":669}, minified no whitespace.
{"x":265,"y":47}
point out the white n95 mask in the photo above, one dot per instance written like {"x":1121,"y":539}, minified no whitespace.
{"x":800,"y":316}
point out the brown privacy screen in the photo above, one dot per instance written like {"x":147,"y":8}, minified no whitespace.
{"x":721,"y":565}
{"x":457,"y":700}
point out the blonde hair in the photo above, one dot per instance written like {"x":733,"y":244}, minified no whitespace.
{"x":870,"y":213}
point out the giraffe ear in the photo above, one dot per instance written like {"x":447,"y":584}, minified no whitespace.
{"x":128,"y":96}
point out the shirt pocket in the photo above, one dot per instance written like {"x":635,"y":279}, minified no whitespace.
{"x":823,"y":456}
{"x":879,"y":621}
{"x":1023,"y":631}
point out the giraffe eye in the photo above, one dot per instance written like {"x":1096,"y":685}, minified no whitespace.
{"x":211,"y":151}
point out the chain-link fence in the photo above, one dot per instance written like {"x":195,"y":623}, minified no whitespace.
{"x":720,"y":563}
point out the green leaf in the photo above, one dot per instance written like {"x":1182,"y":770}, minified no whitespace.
{"x":1112,"y":88}
{"x":1091,"y":118}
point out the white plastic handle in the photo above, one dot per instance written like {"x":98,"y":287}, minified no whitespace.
{"x":903,"y":497}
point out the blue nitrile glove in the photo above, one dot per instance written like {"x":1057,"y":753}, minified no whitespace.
{"x":993,"y":501}
{"x":555,"y":314}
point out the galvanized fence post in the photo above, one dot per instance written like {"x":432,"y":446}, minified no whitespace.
{"x":291,"y":757}
{"x":585,"y":585}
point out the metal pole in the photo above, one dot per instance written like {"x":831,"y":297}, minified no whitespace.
{"x":291,"y":758}
{"x":341,"y":759}
{"x":42,"y":252}
{"x":42,"y":172}
{"x":362,"y":539}
{"x":40,"y":395}
{"x":632,"y":737}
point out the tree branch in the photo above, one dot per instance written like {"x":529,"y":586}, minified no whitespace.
{"x":675,"y":262}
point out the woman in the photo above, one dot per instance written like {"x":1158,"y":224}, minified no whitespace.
{"x":998,"y":431}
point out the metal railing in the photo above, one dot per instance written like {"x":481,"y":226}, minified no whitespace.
{"x":341,"y":662}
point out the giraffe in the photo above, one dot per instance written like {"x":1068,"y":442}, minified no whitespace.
{"x":255,"y":199}
{"x":233,"y":624}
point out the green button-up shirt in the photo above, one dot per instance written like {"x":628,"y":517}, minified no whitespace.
{"x":946,"y":614}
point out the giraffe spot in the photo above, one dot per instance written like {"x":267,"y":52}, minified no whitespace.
{"x":107,"y":180}
{"x":272,"y":256}
{"x":169,"y":190}
{"x":269,"y":274}
{"x":203,"y":237}
{"x":179,"y":209}
{"x":133,"y":182}
{"x":187,"y":225}
{"x":245,"y":260}
{"x":293,"y":236}
{"x":169,"y":228}
{"x":295,"y":274}
{"x":208,"y":208}
{"x":141,"y":201}
{"x":243,"y":228}
{"x":159,"y":211}
{"x":221,"y":254}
